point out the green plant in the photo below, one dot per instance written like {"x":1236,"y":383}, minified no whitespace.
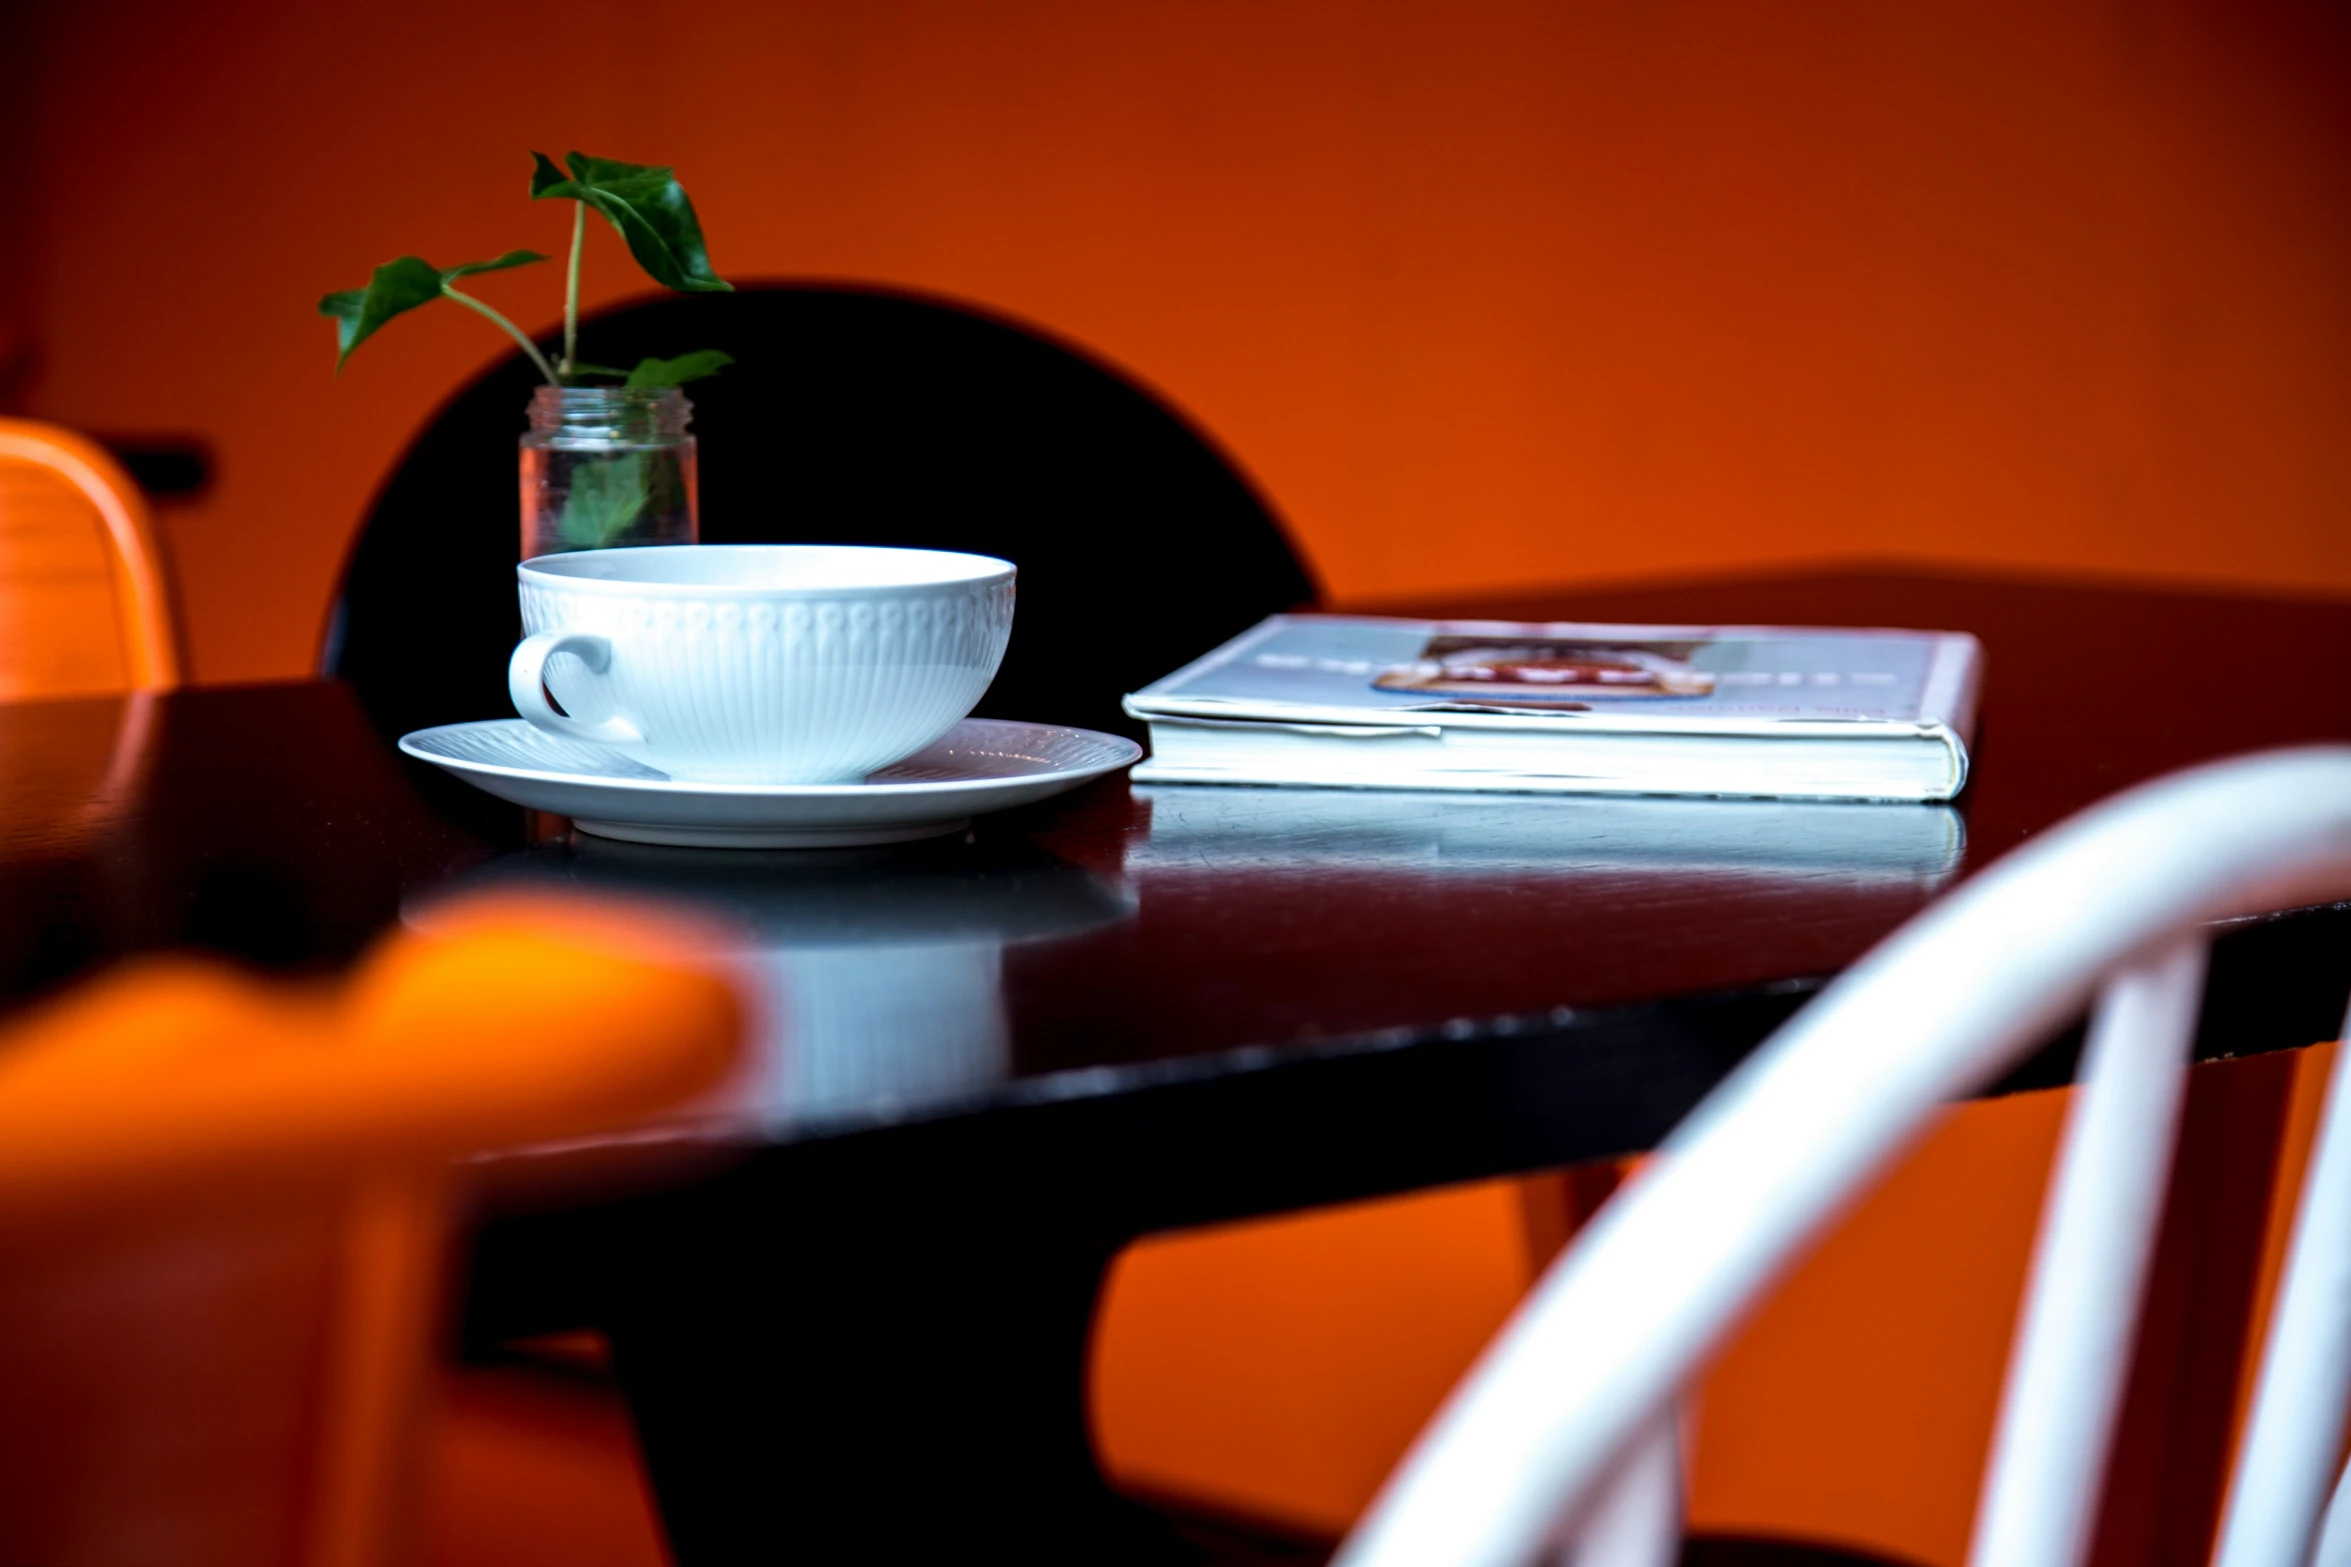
{"x":644,"y":202}
{"x":607,"y":497}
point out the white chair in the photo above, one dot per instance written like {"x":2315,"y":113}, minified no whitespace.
{"x":1561,"y":1444}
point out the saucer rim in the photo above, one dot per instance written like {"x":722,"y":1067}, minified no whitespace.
{"x":859,"y":789}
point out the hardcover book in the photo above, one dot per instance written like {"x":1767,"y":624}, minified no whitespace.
{"x":1346,"y":701}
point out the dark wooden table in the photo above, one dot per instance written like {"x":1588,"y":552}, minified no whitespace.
{"x":850,"y":1306}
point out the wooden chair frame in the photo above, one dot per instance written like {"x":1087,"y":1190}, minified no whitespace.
{"x":178,"y":1081}
{"x":150,"y":646}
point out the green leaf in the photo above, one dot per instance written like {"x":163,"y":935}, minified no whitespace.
{"x":605,"y":498}
{"x":696,"y":366}
{"x":611,"y":370}
{"x":545,"y":176}
{"x":647,"y":205}
{"x":396,"y":287}
{"x":513,"y":258}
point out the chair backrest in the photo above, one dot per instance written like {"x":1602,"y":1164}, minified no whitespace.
{"x":1566,"y":1427}
{"x":83,"y":606}
{"x":851,"y":416}
{"x":222,"y":1217}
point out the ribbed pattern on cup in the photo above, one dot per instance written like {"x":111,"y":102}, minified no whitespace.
{"x":739,"y":689}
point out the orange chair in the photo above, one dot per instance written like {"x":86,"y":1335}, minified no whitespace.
{"x":221,"y":1219}
{"x":83,"y":609}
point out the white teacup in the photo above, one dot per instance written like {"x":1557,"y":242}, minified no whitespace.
{"x":759,"y":663}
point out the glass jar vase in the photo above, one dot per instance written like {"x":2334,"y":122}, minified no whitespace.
{"x":607,"y":466}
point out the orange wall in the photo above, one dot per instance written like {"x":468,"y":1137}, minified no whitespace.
{"x":1281,"y":1368}
{"x":1483,"y":293}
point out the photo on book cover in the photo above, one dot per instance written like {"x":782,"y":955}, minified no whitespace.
{"x":1542,"y":670}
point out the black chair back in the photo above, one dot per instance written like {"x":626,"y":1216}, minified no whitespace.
{"x":851,"y":416}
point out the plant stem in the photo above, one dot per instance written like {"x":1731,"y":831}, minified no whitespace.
{"x":511,"y":330}
{"x":571,"y":292}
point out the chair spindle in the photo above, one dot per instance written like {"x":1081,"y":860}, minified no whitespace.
{"x":1636,"y":1518}
{"x":2295,"y":1435}
{"x":2073,"y":1347}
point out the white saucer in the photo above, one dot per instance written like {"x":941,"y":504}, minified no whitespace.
{"x":983,"y":764}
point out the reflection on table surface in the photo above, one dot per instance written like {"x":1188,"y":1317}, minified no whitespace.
{"x":1076,"y":948}
{"x":876,"y":975}
{"x":895,"y":983}
{"x":1271,"y":917}
{"x":77,"y":766}
{"x":1053,"y":952}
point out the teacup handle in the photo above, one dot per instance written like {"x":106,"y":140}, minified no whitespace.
{"x":526,"y":683}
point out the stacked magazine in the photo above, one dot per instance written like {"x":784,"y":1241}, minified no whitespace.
{"x":1344,"y":701}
